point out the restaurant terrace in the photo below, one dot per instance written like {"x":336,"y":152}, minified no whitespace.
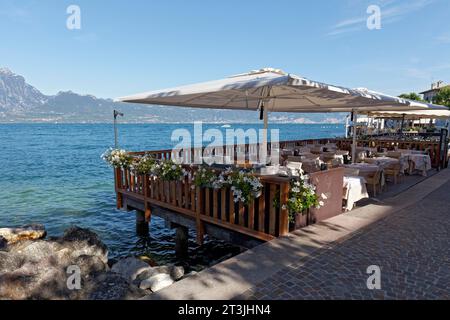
{"x":293,"y":183}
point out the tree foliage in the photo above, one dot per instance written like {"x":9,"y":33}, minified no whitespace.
{"x":443,"y":97}
{"x":411,"y":96}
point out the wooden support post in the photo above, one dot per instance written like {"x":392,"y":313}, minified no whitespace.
{"x":241,"y":213}
{"x":262,"y":212}
{"x":199,"y":223}
{"x":272,"y":213}
{"x":146,"y":192}
{"x":141,"y":224}
{"x":251,"y":214}
{"x":181,"y":242}
{"x":284,"y":212}
{"x":118,"y":186}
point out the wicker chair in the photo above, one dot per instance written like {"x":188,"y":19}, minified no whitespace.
{"x":310,"y":167}
{"x":393,"y":170}
{"x":294,"y":158}
{"x":394,"y":154}
{"x":317,"y":149}
{"x":351,"y":172}
{"x":374,"y":180}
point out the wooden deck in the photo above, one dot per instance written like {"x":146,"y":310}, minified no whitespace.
{"x":206,"y":207}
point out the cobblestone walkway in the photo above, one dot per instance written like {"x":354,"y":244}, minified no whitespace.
{"x":412,"y":248}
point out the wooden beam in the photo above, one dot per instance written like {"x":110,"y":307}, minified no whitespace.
{"x":200,"y":230}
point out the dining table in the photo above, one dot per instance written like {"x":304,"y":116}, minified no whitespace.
{"x":421,"y":162}
{"x":385,"y":162}
{"x":368,"y":169}
{"x":355,"y":189}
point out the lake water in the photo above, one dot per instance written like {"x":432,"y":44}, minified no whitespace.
{"x":52,"y":174}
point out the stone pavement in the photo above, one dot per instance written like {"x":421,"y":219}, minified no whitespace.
{"x":412,"y":248}
{"x":407,"y":236}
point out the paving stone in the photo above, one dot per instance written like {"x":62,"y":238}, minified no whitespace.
{"x":410,"y":246}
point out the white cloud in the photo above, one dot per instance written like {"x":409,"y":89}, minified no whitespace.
{"x":426,"y":73}
{"x":443,"y":38}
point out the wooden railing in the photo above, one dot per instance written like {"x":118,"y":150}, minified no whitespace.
{"x":189,"y":155}
{"x":259,"y":218}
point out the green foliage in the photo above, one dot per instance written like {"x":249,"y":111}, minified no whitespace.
{"x":244,"y":185}
{"x":206,"y":177}
{"x":411,"y":96}
{"x":143,"y":165}
{"x":302,"y":196}
{"x":167,"y":170}
{"x":117,"y":158}
{"x":443,"y":97}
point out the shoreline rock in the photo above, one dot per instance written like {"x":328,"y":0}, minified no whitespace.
{"x":33,"y":268}
{"x":27,"y":232}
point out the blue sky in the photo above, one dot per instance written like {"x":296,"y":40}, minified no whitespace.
{"x":126,"y":47}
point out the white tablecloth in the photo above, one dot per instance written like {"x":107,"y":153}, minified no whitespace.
{"x":386,"y":161}
{"x":420,"y":162}
{"x":355,"y":190}
{"x":366,"y":169}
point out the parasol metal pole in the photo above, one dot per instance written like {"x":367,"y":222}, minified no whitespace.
{"x":266,"y":125}
{"x":354,"y":121}
{"x":265,"y":117}
{"x":116,"y":113}
{"x":403,"y":123}
{"x":346,"y":127}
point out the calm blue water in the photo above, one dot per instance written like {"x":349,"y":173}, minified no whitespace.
{"x":52,"y":174}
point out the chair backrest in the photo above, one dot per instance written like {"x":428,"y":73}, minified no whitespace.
{"x":311,"y":156}
{"x":396,"y":166}
{"x":294,"y":167}
{"x":295,"y":158}
{"x":287,"y":152}
{"x":394,"y":154}
{"x":316,"y":150}
{"x":304,"y":150}
{"x":310,"y":167}
{"x":351,"y":172}
{"x":270,"y":170}
{"x":376,"y":177}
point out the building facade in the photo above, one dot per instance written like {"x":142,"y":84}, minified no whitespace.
{"x":429,"y":95}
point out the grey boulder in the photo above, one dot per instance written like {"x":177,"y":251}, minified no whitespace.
{"x":113,"y":286}
{"x":130,"y":268}
{"x":157,"y":282}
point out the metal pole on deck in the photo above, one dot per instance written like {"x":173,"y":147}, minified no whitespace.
{"x":116,"y":113}
{"x":346,"y":127}
{"x":402,"y":125}
{"x":264,"y":116}
{"x":354,"y":122}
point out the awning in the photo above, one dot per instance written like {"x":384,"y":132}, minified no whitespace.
{"x":277,"y":91}
{"x":412,"y":115}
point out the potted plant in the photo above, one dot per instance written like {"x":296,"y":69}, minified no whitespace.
{"x":302,"y":197}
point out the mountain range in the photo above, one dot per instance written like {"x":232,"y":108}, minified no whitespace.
{"x":21,"y":102}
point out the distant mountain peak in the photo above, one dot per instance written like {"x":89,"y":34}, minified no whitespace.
{"x":21,"y":102}
{"x":6,"y":71}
